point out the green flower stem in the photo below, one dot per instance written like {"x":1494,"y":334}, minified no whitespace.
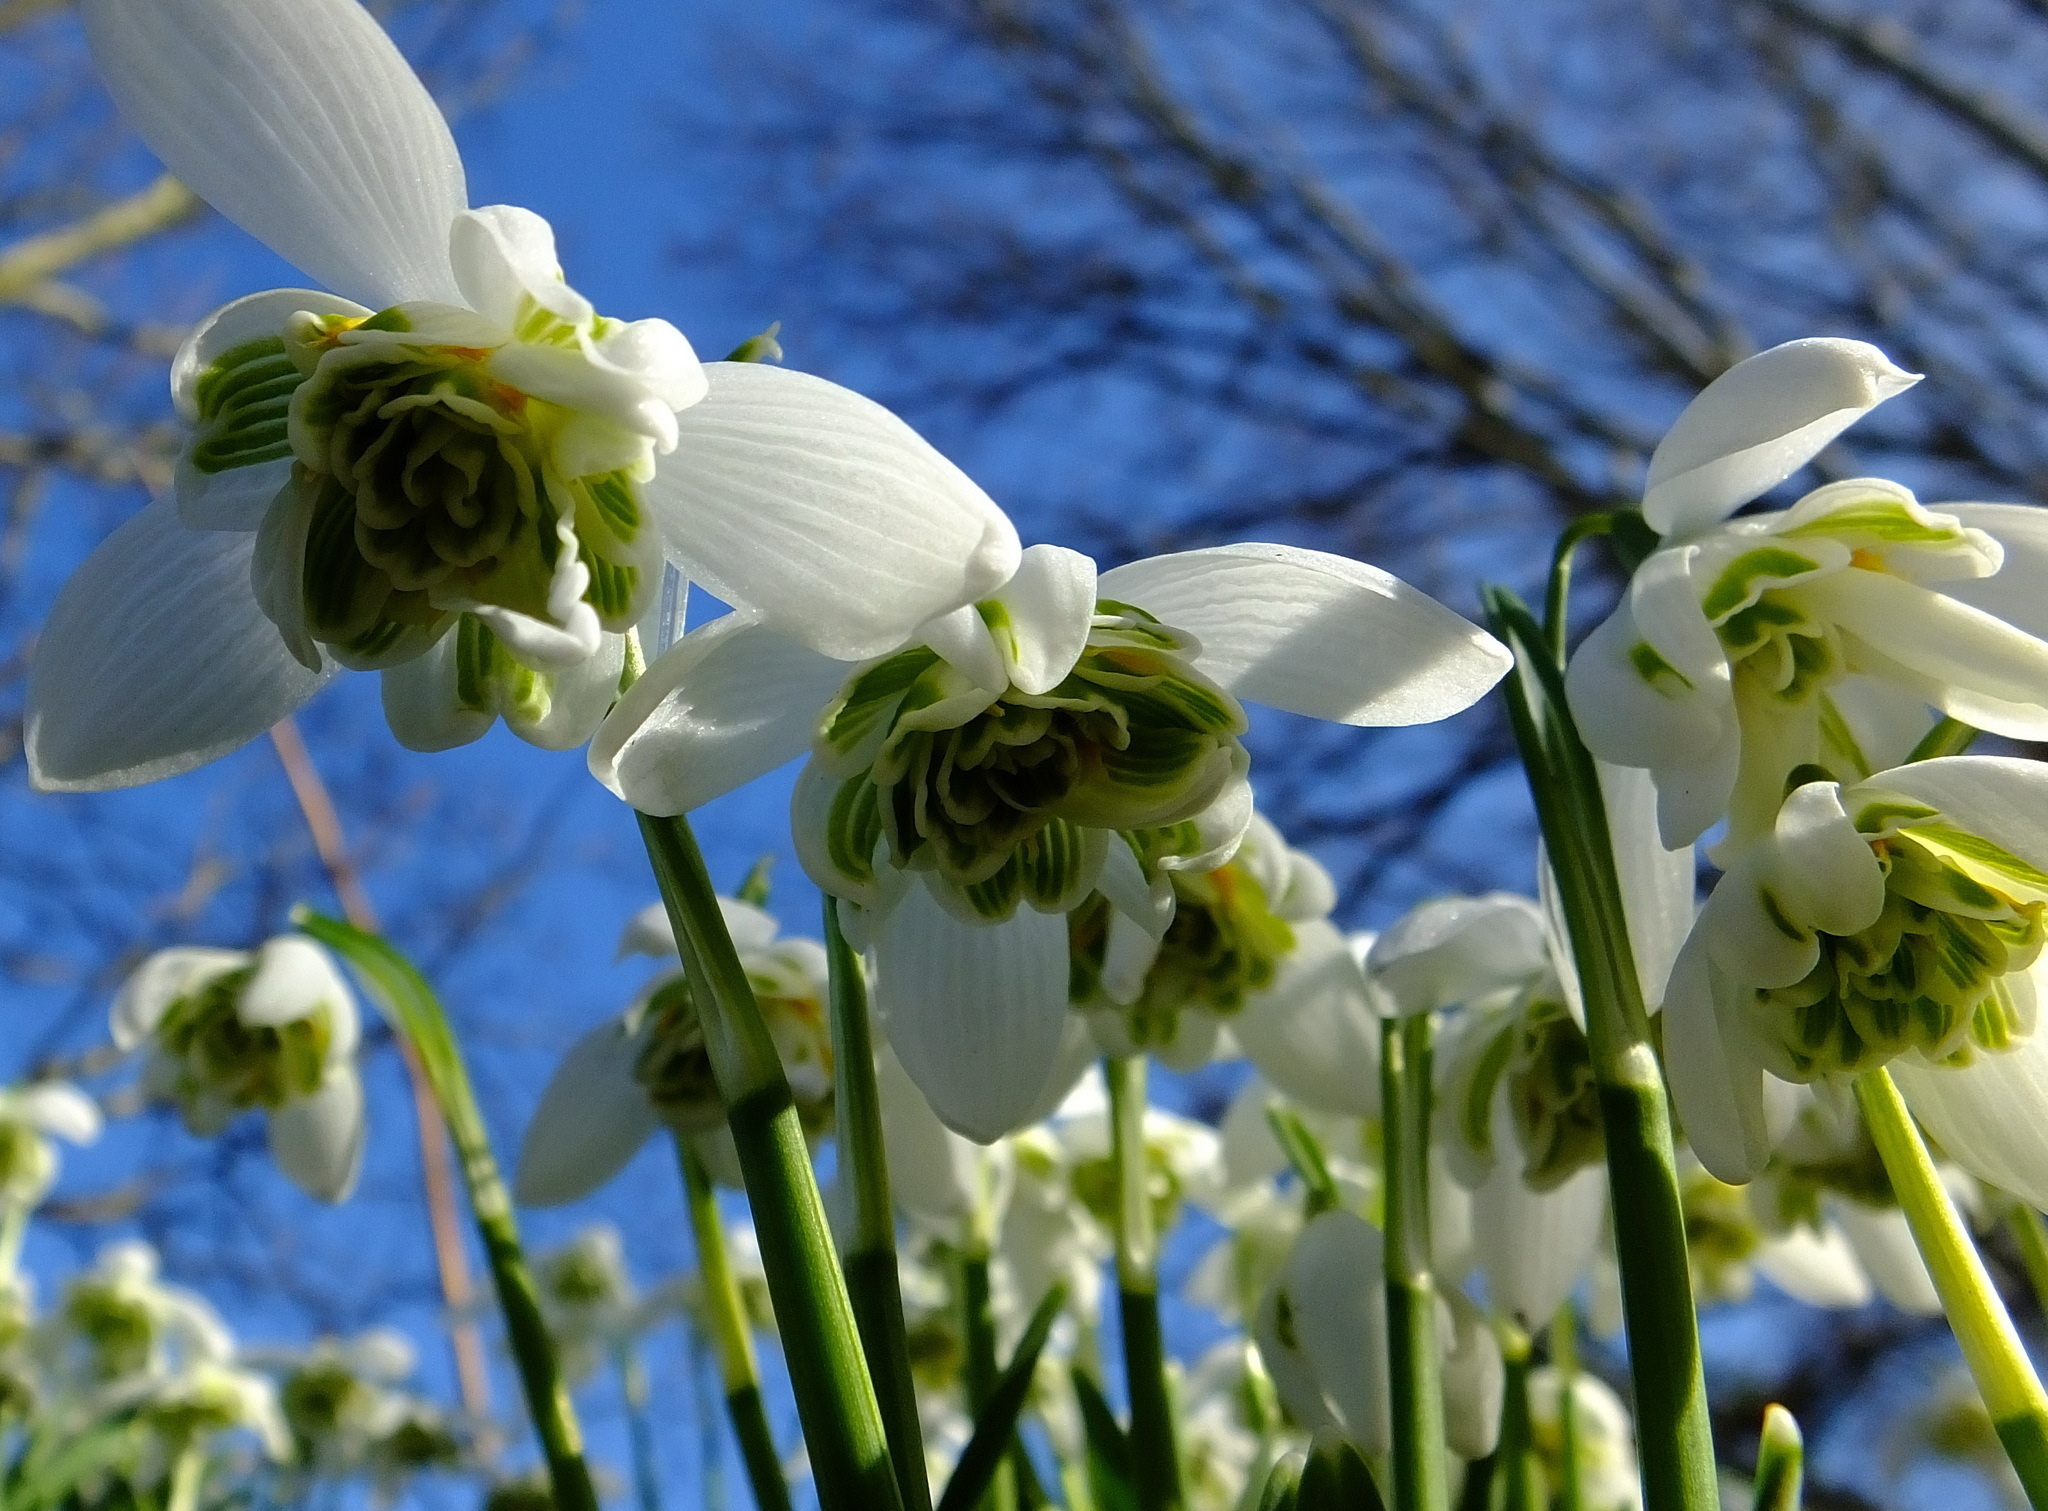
{"x":732,"y":1338}
{"x":2031,"y":1236}
{"x":410,"y":1006}
{"x":835,"y":1397}
{"x":1949,"y":737}
{"x":1154,"y":1453}
{"x":1780,"y":1463}
{"x":188,"y":1477}
{"x":872,"y":1279}
{"x":1991,"y":1345}
{"x":977,"y":1312}
{"x":633,"y":1390}
{"x":1412,"y":1354}
{"x":1518,"y":1479}
{"x":1558,"y":598}
{"x":1564,"y":1358}
{"x":1672,"y":1423}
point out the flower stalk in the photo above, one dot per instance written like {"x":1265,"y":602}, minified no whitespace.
{"x":1154,"y":1451}
{"x":1417,"y":1405}
{"x":732,"y":1340}
{"x":872,"y":1280}
{"x":1991,"y":1345}
{"x":633,"y":1390}
{"x":835,"y":1395}
{"x":1663,"y":1330}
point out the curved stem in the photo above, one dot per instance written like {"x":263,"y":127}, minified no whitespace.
{"x":1557,"y":598}
{"x":1991,"y":1345}
{"x":1412,"y":1356}
{"x":732,"y":1340}
{"x":1155,"y":1454}
{"x":835,"y":1396}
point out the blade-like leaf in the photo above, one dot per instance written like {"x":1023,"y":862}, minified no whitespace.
{"x":1282,"y":1485}
{"x":1336,"y":1478}
{"x":998,"y":1424}
{"x":1110,"y":1480}
{"x":1306,"y":1155}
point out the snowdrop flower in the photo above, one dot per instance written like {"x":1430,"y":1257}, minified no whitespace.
{"x":1718,"y":670}
{"x":1892,"y":921}
{"x":1068,"y":734}
{"x":30,"y":1116}
{"x":1219,"y":1447}
{"x":230,"y":1031}
{"x":649,"y":1068}
{"x":1602,"y":1433}
{"x":118,"y":1319}
{"x":338,"y":1397}
{"x":588,"y":1300}
{"x":194,"y":1404}
{"x":448,"y":466}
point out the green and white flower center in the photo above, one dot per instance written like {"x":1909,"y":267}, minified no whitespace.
{"x":27,"y":1162}
{"x":1539,"y":1055}
{"x":115,"y":1324}
{"x":218,"y":1061}
{"x":1722,"y":1236}
{"x":1094,"y":1184}
{"x":995,"y":792}
{"x":1941,"y":971}
{"x":674,"y":1063}
{"x":323,"y":1398}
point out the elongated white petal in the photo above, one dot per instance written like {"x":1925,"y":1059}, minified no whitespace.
{"x":303,"y":125}
{"x":1474,"y":1377}
{"x":61,"y":1109}
{"x":977,"y":1013}
{"x":294,"y":977}
{"x":592,"y":1118}
{"x":317,"y":1141}
{"x":1453,"y":949}
{"x":1315,"y":1031}
{"x":419,"y":698}
{"x":1824,"y":875}
{"x":1819,"y":1269}
{"x":1335,"y":1286}
{"x":154,"y":660}
{"x":158,"y":982}
{"x":1883,"y":1242}
{"x":1996,"y":797}
{"x":754,"y":929}
{"x":1989,"y":1116}
{"x":648,"y":932}
{"x":1534,"y":1246}
{"x":1760,"y":422}
{"x":962,"y":638}
{"x":1316,"y":634}
{"x":1042,"y":617}
{"x":727,"y":703}
{"x":1717,"y":1086}
{"x":2018,"y":591}
{"x":1658,"y":884}
{"x":934,"y":1173}
{"x":824,"y":513}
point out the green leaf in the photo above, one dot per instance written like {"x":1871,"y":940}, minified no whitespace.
{"x":1282,"y":1486}
{"x":1306,"y":1155}
{"x":1110,"y":1480}
{"x":1780,"y":1460}
{"x":993,"y":1433}
{"x":1336,"y":1478}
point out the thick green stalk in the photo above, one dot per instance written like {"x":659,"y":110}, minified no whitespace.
{"x":1413,"y":1360}
{"x":1672,"y":1423}
{"x":409,"y":1004}
{"x":633,"y":1389}
{"x":835,"y":1396}
{"x":1155,"y":1454}
{"x":732,"y":1338}
{"x":872,"y":1279}
{"x":1991,"y":1345}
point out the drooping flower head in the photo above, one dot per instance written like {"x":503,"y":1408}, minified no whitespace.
{"x":1723,"y":668}
{"x":448,"y":466}
{"x":1071,"y":733}
{"x":30,"y":1116}
{"x":275,"y":1030}
{"x":118,"y":1320}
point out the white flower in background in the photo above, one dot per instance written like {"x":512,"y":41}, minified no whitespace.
{"x":1602,"y":1433}
{"x":1889,"y":922}
{"x":1719,"y":670}
{"x":193,"y":1405}
{"x":31,"y":1115}
{"x":450,"y":467}
{"x":588,"y":1300}
{"x":1219,"y":1447}
{"x":230,"y":1032}
{"x":1066,"y":735}
{"x":340,"y":1397}
{"x":649,"y":1068}
{"x":118,"y":1320}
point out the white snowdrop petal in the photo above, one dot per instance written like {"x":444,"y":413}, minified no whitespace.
{"x":1760,"y":422}
{"x":976,"y":1012}
{"x":1043,"y":617}
{"x":648,"y":932}
{"x":1315,"y":1031}
{"x":962,"y":639}
{"x":824,"y":513}
{"x":62,"y":1110}
{"x":158,"y":982}
{"x":752,"y":929}
{"x":419,"y":698}
{"x":1658,"y":885}
{"x":1818,"y":1268}
{"x":578,"y":699}
{"x":933,"y":1171}
{"x":592,"y":1118}
{"x":1453,"y":949}
{"x":303,"y":124}
{"x":727,"y":703}
{"x":1534,"y":1246}
{"x":1316,"y":634}
{"x":500,"y":255}
{"x":155,"y":659}
{"x":1474,"y":1377}
{"x":317,"y":1141}
{"x":1335,"y":1280}
{"x":1999,"y":798}
{"x":293,"y":977}
{"x":1987,"y":1116}
{"x":1717,"y":1087}
{"x":1883,"y":1242}
{"x":1824,"y":874}
{"x":2018,"y":591}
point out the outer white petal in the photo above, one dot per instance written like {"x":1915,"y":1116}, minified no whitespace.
{"x":1760,"y":422}
{"x":1316,"y":634}
{"x":1452,"y":949}
{"x":1047,"y":607}
{"x":60,"y":1109}
{"x":1991,"y":1117}
{"x":1315,"y":1032}
{"x":1823,"y":873}
{"x":2018,"y":591}
{"x":1534,"y":1246}
{"x":317,"y":1141}
{"x":1148,"y":904}
{"x":753,"y":929}
{"x":648,"y":932}
{"x":1335,"y":1282}
{"x":155,"y":659}
{"x":976,"y":1013}
{"x":592,"y":1118}
{"x":1474,"y":1377}
{"x":727,"y":703}
{"x":419,"y":701}
{"x":1659,"y":886}
{"x":1717,"y":1086}
{"x":161,"y":980}
{"x":935,"y":1175}
{"x":962,"y":638}
{"x":302,"y":124}
{"x":824,"y":513}
{"x":1884,"y":1243}
{"x":2000,"y":798}
{"x":293,"y":977}
{"x":1819,"y":1269}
